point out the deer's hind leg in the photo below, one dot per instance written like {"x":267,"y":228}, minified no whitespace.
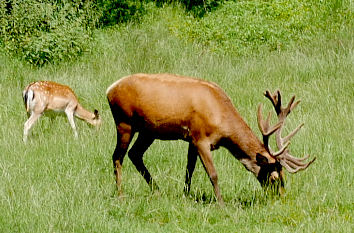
{"x":29,"y":124}
{"x":124,"y":136}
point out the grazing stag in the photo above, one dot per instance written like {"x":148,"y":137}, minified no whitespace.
{"x":170,"y":107}
{"x":43,"y":96}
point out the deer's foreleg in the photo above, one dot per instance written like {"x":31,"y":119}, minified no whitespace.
{"x":192,"y":159}
{"x":205,"y":156}
{"x":136,"y":153}
{"x":70,"y":114}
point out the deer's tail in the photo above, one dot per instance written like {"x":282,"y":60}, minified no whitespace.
{"x":28,"y":96}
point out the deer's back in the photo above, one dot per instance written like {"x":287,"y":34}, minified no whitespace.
{"x":166,"y":102}
{"x":52,"y":95}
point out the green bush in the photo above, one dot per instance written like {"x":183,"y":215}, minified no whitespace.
{"x":238,"y":27}
{"x":45,"y":31}
{"x":200,"y":7}
{"x":118,"y":11}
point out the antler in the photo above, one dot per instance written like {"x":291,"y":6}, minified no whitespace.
{"x":291,"y":163}
{"x":268,"y":130}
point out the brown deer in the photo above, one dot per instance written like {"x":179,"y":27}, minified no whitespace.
{"x":43,"y":96}
{"x":170,"y":107}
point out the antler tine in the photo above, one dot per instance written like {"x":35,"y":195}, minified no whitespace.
{"x":291,"y":105}
{"x":291,"y":164}
{"x":287,"y":138}
{"x":288,"y":168}
{"x":293,"y":167}
{"x":264,"y":126}
{"x":280,"y":141}
{"x":295,"y":162}
{"x":278,"y":97}
{"x":275,"y":99}
{"x":281,"y":151}
{"x":289,"y":157}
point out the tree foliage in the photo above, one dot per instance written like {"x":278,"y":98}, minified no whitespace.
{"x":41,"y":31}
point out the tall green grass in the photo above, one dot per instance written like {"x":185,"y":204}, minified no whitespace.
{"x":58,"y":184}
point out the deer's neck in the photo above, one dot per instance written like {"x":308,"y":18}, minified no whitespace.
{"x":245,"y":145}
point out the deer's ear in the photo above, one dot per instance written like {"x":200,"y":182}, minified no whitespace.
{"x":261,"y":160}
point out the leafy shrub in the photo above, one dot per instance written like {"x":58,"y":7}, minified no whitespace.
{"x":200,"y":7}
{"x":40,"y":31}
{"x":118,"y":11}
{"x":241,"y":26}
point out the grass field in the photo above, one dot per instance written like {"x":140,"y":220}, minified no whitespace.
{"x":58,"y":184}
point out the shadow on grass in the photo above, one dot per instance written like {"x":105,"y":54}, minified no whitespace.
{"x":257,"y":198}
{"x":203,"y":198}
{"x":245,"y":199}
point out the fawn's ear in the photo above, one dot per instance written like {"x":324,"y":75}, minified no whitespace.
{"x":96,"y":114}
